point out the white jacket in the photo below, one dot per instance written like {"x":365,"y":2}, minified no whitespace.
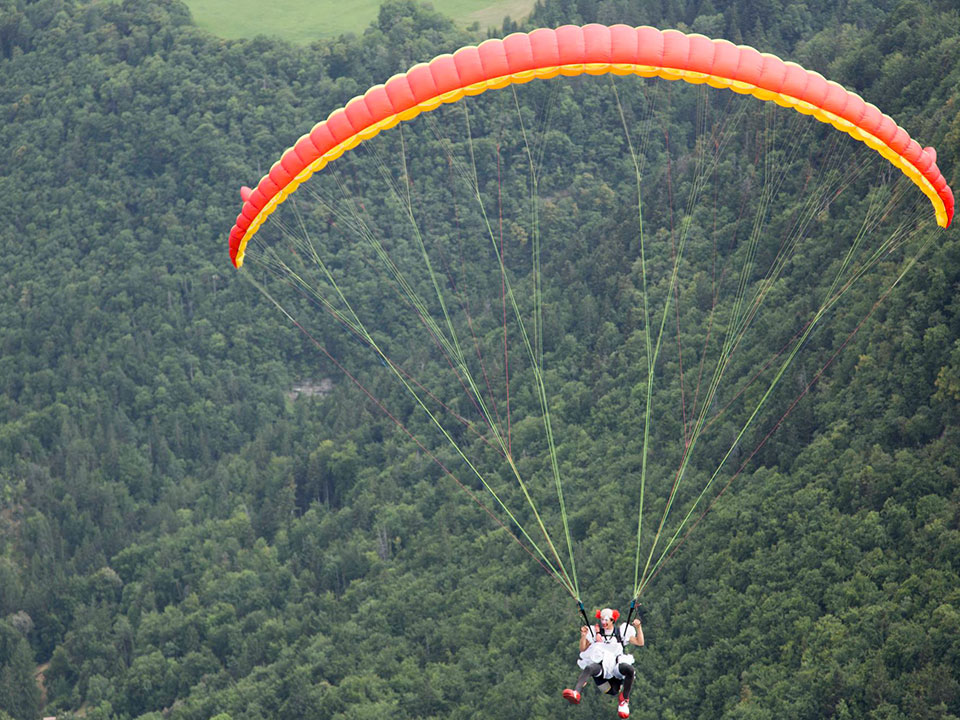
{"x":608,"y":650}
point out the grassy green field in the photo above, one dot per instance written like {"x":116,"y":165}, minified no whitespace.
{"x":301,"y":21}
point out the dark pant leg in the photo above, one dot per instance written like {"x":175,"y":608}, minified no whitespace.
{"x":591,"y":670}
{"x":627,"y":671}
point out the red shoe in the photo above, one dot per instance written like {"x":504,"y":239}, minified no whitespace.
{"x":623,"y":710}
{"x":571,"y":696}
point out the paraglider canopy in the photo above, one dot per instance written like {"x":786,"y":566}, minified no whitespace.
{"x":592,"y":49}
{"x":386,"y":264}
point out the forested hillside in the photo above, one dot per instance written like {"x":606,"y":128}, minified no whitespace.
{"x":201,"y":516}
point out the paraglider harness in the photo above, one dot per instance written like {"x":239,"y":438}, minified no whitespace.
{"x":609,"y":686}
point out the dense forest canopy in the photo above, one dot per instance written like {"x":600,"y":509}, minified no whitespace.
{"x":202,"y":517}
